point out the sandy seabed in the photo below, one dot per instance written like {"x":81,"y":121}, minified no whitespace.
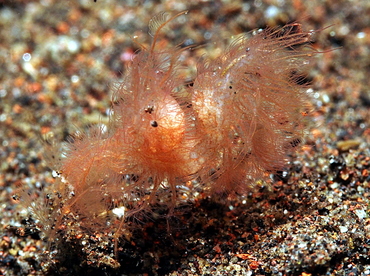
{"x":59,"y":62}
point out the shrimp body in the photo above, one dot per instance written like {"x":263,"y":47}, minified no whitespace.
{"x":242,"y":117}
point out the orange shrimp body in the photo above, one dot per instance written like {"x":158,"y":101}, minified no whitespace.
{"x":156,"y":131}
{"x":243,"y":115}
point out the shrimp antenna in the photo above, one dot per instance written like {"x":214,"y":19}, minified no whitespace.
{"x":157,"y":23}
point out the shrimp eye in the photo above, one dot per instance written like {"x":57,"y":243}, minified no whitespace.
{"x":149,"y":109}
{"x":154,"y":123}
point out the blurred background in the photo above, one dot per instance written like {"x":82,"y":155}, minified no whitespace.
{"x":60,"y":60}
